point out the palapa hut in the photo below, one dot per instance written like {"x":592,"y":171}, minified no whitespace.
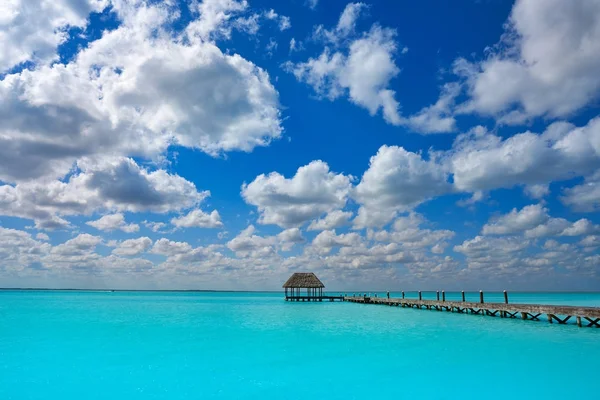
{"x":303,"y":280}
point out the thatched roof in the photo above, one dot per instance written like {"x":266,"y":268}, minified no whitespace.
{"x":303,"y":280}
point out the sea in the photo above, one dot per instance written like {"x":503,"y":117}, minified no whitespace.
{"x":234,"y":345}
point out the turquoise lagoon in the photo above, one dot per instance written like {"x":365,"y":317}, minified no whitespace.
{"x":173,"y":345}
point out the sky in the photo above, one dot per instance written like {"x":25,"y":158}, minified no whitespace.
{"x":225,"y":144}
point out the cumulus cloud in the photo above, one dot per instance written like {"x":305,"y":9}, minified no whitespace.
{"x":396,"y":180}
{"x":545,"y":65}
{"x":125,"y":95}
{"x":481,"y":160}
{"x":362,"y":69}
{"x":517,"y":221}
{"x":33,"y":30}
{"x":534,"y":222}
{"x":249,"y":245}
{"x":288,"y":202}
{"x":198,"y":218}
{"x":586,"y":196}
{"x":213,"y":17}
{"x":111,"y":222}
{"x":133,"y":247}
{"x":42,"y":236}
{"x":332,"y":220}
{"x":325,"y":241}
{"x":110,"y":184}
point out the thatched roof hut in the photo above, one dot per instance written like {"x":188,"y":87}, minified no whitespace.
{"x":303,"y":280}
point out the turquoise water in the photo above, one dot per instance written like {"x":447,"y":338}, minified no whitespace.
{"x":160,"y":345}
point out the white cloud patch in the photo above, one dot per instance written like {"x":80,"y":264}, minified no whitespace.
{"x":249,"y":245}
{"x":32,"y":30}
{"x":534,"y":222}
{"x":483,"y":161}
{"x":325,"y":241}
{"x":213,"y":17}
{"x":199,"y":219}
{"x":517,"y":221}
{"x":311,"y":192}
{"x":125,"y":95}
{"x":396,"y":180}
{"x":42,"y":236}
{"x":586,"y":196}
{"x":333,"y":219}
{"x":363,"y":68}
{"x":110,"y":184}
{"x":545,"y":65}
{"x":282,"y":21}
{"x":133,"y":247}
{"x":111,"y":222}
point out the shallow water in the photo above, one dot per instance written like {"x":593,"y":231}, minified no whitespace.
{"x":167,"y":345}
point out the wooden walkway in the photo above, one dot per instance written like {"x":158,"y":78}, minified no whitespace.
{"x":314,"y":298}
{"x":584,"y":316}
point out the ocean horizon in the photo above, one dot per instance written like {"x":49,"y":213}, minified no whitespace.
{"x":62,"y":344}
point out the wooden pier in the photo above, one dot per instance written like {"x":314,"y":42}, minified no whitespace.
{"x":583,"y":316}
{"x":314,"y":298}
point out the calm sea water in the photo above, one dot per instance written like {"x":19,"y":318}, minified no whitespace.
{"x":132,"y":345}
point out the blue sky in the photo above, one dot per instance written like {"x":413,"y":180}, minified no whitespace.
{"x":224,"y":144}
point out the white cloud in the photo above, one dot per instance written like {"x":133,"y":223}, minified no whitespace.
{"x":213,"y":17}
{"x":42,"y":236}
{"x":111,"y":222}
{"x":493,"y":254}
{"x":154,"y":226}
{"x":534,"y":222}
{"x":325,"y":241}
{"x":283,"y":21}
{"x":363,"y":68}
{"x":18,"y":250}
{"x":586,"y":196}
{"x":483,"y":161}
{"x":332,"y":220}
{"x":110,"y":184}
{"x":198,"y":218}
{"x":545,"y":65}
{"x":295,"y":45}
{"x":517,"y":221}
{"x":250,"y":24}
{"x":363,"y":74}
{"x":397,"y":180}
{"x":133,"y":247}
{"x":347,"y":21}
{"x":538,"y":191}
{"x":311,"y":192}
{"x":124,"y":95}
{"x":312,"y":3}
{"x":32,"y":30}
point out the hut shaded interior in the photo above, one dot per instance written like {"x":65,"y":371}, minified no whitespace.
{"x":303,"y":285}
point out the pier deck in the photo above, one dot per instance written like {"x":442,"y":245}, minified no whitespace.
{"x":314,"y":298}
{"x":584,"y":316}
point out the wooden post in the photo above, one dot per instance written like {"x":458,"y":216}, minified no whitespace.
{"x":481,"y":296}
{"x":550,"y":318}
{"x":505,"y":297}
{"x":524,"y":315}
{"x":443,"y":295}
{"x":438,"y":295}
{"x":420,"y":297}
{"x":463,"y":296}
{"x":579,"y":321}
